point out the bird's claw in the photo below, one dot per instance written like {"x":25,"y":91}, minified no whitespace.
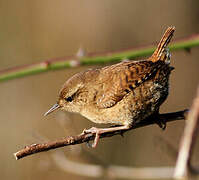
{"x":161,"y":123}
{"x":95,"y":131}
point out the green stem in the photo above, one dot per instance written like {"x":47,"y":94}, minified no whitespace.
{"x":68,"y":62}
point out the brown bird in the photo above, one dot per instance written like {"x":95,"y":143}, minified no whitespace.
{"x":121,"y":94}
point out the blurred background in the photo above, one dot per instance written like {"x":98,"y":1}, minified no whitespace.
{"x":33,"y":31}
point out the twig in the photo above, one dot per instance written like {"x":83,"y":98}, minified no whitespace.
{"x":188,"y":141}
{"x":111,"y":171}
{"x":90,"y":59}
{"x":82,"y":169}
{"x":81,"y":138}
{"x":108,"y":171}
{"x":164,"y":172}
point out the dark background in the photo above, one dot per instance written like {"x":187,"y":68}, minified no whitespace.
{"x":32,"y":31}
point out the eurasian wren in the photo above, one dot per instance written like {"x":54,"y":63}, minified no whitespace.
{"x":119,"y":94}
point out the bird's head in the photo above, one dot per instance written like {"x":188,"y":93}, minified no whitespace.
{"x":70,"y":95}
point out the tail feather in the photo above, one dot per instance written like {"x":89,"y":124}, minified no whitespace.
{"x":161,"y":52}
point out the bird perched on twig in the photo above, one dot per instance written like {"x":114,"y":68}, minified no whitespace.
{"x":120,"y":94}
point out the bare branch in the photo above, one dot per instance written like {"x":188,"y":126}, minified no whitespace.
{"x":81,"y":138}
{"x":188,"y":141}
{"x":111,"y":171}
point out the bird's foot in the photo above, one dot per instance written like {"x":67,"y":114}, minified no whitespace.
{"x":98,"y":131}
{"x":161,"y":123}
{"x":95,"y":131}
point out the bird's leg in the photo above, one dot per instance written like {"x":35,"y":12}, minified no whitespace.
{"x":160,"y":121}
{"x":98,"y":131}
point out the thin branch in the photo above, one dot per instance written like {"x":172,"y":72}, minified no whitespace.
{"x":81,"y":169}
{"x":110,"y":171}
{"x":90,"y":59}
{"x":104,"y":170}
{"x":188,"y":141}
{"x":164,"y":172}
{"x":81,"y":138}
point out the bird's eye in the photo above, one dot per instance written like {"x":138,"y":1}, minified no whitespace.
{"x":69,"y":99}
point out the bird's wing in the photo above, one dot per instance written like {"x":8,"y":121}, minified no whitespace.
{"x":123,"y":78}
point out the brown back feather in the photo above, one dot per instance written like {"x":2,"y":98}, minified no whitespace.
{"x":125,"y":77}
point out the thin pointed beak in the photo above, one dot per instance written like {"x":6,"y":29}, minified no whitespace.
{"x":53,"y":108}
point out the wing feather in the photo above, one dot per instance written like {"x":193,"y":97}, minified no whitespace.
{"x":124,"y":78}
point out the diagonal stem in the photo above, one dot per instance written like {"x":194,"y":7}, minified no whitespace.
{"x":188,"y":140}
{"x":93,"y":58}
